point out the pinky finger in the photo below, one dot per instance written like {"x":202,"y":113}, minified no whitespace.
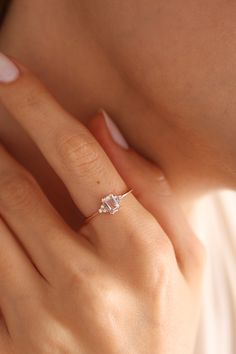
{"x":18,"y":278}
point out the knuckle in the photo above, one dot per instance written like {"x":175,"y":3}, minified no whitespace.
{"x":140,"y":227}
{"x":162,"y":259}
{"x":152,"y":244}
{"x":78,"y":154}
{"x":149,"y":236}
{"x":81,"y":275}
{"x":162,"y":186}
{"x":16,"y":190}
{"x":159,"y":269}
{"x":32,"y":98}
{"x":162,"y":182}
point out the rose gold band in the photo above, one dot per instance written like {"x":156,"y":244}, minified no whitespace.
{"x":110,"y":205}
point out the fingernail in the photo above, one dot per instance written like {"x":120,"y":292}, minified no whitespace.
{"x":8,"y":70}
{"x":114,"y":131}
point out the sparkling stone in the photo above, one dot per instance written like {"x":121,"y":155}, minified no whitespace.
{"x":110,"y":204}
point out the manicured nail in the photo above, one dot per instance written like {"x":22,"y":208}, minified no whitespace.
{"x":114,"y":131}
{"x":8,"y":70}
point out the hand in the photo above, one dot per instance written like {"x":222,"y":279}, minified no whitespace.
{"x":125,"y":283}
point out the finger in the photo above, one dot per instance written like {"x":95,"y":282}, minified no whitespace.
{"x":50,"y":243}
{"x":66,"y":143}
{"x":18,"y":278}
{"x":73,"y":152}
{"x":153,"y":191}
{"x":5,"y":339}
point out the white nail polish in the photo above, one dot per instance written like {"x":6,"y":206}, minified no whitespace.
{"x":8,"y":70}
{"x":115,"y":131}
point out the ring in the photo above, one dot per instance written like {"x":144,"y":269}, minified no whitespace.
{"x":110,"y":205}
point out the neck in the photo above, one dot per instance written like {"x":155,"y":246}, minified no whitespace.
{"x":88,"y":63}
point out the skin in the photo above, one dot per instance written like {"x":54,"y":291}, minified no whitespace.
{"x":165,"y":74}
{"x":81,"y":292}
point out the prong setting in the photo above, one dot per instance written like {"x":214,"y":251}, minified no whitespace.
{"x":110,"y":204}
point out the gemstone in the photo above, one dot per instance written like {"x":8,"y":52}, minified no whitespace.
{"x":110,"y":204}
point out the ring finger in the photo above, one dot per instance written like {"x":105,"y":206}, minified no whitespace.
{"x":50,"y":243}
{"x":71,"y":150}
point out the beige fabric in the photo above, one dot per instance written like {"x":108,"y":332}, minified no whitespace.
{"x":214,"y":220}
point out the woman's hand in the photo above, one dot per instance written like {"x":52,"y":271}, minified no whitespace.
{"x":125,"y":283}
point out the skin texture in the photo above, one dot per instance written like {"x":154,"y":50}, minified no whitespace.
{"x":81,"y":292}
{"x":165,"y":73}
{"x":163,"y":70}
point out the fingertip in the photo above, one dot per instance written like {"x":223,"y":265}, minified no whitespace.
{"x":9,"y":71}
{"x":98,"y":127}
{"x":104,"y":123}
{"x":22,"y":68}
{"x":96,"y":123}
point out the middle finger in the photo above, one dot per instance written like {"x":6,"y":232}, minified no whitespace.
{"x":69,"y":147}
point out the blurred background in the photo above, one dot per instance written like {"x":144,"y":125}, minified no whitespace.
{"x":214,"y":221}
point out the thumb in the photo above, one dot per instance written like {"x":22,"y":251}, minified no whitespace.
{"x":153,"y":190}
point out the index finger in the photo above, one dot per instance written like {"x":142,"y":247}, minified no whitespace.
{"x":69,"y":147}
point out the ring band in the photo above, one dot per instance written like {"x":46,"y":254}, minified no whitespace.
{"x":110,"y":205}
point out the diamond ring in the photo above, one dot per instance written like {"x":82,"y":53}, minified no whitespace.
{"x":110,"y":205}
